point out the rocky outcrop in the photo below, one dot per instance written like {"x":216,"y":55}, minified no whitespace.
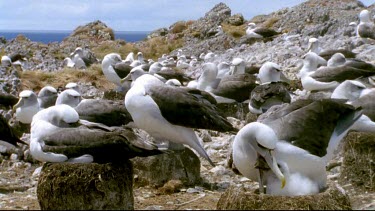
{"x":314,"y":17}
{"x":212,"y":19}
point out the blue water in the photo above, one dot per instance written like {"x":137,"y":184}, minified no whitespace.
{"x":57,"y":36}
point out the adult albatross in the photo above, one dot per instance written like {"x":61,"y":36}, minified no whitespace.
{"x":303,"y":135}
{"x":171,"y":113}
{"x":59,"y":135}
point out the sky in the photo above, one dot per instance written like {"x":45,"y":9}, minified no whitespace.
{"x":123,"y":15}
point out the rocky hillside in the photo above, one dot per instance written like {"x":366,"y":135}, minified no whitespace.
{"x":327,"y":20}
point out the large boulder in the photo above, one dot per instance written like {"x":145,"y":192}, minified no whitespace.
{"x":183,"y":165}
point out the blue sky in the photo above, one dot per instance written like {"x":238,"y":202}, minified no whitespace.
{"x":122,"y":15}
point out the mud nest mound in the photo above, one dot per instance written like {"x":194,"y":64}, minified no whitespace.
{"x":359,"y":160}
{"x":76,"y":186}
{"x":238,"y":199}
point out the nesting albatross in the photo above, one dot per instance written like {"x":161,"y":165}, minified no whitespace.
{"x":58,"y":135}
{"x":171,"y":113}
{"x":366,"y":28}
{"x":303,"y":135}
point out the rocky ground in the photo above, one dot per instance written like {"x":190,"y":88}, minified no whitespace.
{"x":326,"y":20}
{"x":18,"y":180}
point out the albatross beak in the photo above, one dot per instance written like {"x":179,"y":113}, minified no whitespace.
{"x":127,"y":78}
{"x":19,"y":104}
{"x":272,"y":163}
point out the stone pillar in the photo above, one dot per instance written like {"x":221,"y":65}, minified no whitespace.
{"x":91,"y":186}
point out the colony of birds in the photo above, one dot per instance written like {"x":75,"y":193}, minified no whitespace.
{"x":286,"y":150}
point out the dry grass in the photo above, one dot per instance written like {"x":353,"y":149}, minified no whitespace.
{"x":117,"y":46}
{"x":157,"y":46}
{"x":270,"y":22}
{"x":35,"y":80}
{"x":359,"y":160}
{"x":179,"y":27}
{"x":234,"y":31}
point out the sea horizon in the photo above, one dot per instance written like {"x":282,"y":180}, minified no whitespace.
{"x":49,"y":36}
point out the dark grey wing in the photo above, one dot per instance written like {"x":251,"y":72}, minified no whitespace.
{"x":108,"y":112}
{"x":171,"y":73}
{"x":252,"y":69}
{"x":356,"y":63}
{"x":340,"y":73}
{"x":16,"y":56}
{"x":266,"y":32}
{"x":116,"y":146}
{"x":7,"y":134}
{"x":8,"y":99}
{"x":88,"y":57}
{"x":310,"y":127}
{"x":189,"y":108}
{"x":327,"y":54}
{"x":276,"y":91}
{"x":122,"y":69}
{"x":237,"y":87}
{"x":367,"y":102}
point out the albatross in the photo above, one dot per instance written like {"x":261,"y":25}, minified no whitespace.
{"x":7,"y":134}
{"x":26,"y":107}
{"x":365,"y":28}
{"x":358,"y":95}
{"x":110,"y":72}
{"x":304,"y":135}
{"x":59,"y":135}
{"x":107,"y":112}
{"x":259,"y":32}
{"x":171,"y":113}
{"x":47,"y":97}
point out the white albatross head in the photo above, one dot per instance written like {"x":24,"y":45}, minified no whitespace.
{"x":253,"y":141}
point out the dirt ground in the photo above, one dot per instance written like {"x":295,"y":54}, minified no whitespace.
{"x":18,"y":191}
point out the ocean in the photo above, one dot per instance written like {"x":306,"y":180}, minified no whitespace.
{"x":57,"y":36}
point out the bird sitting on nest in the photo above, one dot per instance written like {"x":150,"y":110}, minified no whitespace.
{"x":304,"y":135}
{"x":253,"y":31}
{"x":59,"y":135}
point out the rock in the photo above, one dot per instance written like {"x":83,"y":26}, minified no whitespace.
{"x":212,"y":19}
{"x":235,"y":20}
{"x":86,"y":186}
{"x":236,"y":110}
{"x":157,"y":170}
{"x":158,"y":33}
{"x":172,"y":186}
{"x":205,"y":136}
{"x":235,"y":198}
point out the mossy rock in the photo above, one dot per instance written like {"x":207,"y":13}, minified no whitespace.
{"x":77,"y":186}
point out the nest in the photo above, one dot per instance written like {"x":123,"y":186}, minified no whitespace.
{"x":77,"y":186}
{"x":359,"y":161}
{"x":238,"y":199}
